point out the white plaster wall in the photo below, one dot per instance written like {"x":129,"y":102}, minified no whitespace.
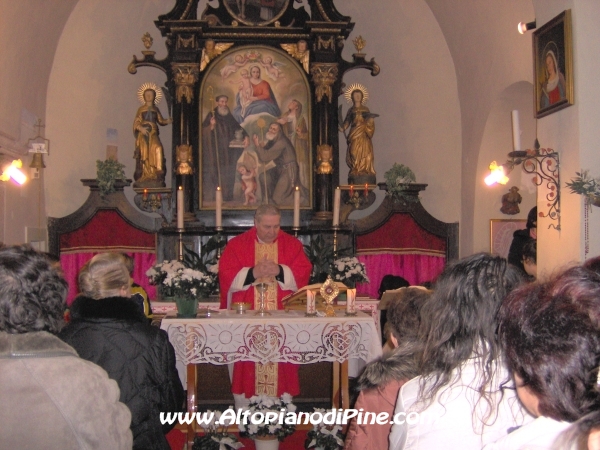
{"x":90,"y":90}
{"x":574,"y":133}
{"x":416,"y":96}
{"x":495,"y":145}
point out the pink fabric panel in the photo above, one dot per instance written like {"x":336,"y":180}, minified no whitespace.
{"x":72,"y":263}
{"x":414,"y":268}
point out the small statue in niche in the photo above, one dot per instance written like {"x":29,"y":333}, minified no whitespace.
{"x":149,"y":153}
{"x":324,"y":159}
{"x":510,"y":201}
{"x":360,"y":120}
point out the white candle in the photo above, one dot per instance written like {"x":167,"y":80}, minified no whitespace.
{"x":336,"y":206}
{"x":297,"y":207}
{"x":180,"y":212}
{"x":219,"y":208}
{"x":351,"y":301}
{"x":516,"y":130}
{"x":311,"y":308}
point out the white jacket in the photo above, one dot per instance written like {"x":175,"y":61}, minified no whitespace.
{"x":449,"y":421}
{"x":540,"y":434}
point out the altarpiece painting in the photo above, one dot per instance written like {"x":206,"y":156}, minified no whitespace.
{"x":255,"y":130}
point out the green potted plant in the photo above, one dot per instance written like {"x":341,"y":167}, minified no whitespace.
{"x":215,"y":435}
{"x":323,"y":436}
{"x":587,"y":186}
{"x":397,"y":179}
{"x":107,"y":172}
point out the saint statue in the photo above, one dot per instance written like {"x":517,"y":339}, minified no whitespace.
{"x":149,"y":153}
{"x":360,"y":120}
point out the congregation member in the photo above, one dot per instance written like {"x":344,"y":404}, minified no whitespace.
{"x":50,"y":398}
{"x":462,"y":396}
{"x":108,"y":328}
{"x":551,"y":337}
{"x":263,"y":253}
{"x":381,"y":380}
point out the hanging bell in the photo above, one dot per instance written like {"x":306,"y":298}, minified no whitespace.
{"x":38,"y":161}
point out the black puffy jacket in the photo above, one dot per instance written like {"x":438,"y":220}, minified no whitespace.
{"x":114,"y":334}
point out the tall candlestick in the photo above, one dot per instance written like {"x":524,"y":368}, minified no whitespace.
{"x":180,"y":212}
{"x":351,"y":302}
{"x":516,"y":130}
{"x":336,"y":207}
{"x":297,"y":207}
{"x":219,"y":208}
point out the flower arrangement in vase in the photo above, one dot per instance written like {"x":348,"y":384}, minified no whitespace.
{"x":349,"y":270}
{"x":270,"y":409}
{"x":323,"y":436}
{"x":587,"y":186}
{"x":186,"y":285}
{"x":397,"y":180}
{"x":216,"y":436}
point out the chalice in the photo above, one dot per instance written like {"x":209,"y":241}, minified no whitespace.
{"x":261,"y":288}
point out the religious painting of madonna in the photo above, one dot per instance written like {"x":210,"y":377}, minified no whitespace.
{"x":553,"y":65}
{"x":255,"y":130}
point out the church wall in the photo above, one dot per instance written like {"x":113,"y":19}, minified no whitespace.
{"x":416,"y":97}
{"x":574,"y":133}
{"x":90,"y":91}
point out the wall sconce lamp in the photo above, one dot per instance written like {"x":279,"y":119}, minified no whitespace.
{"x":38,"y":146}
{"x":13,"y":171}
{"x":525,"y":27}
{"x":541,"y":162}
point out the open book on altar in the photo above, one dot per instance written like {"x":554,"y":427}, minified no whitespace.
{"x":299,"y":297}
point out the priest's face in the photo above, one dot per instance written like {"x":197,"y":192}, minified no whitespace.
{"x":267,"y":227}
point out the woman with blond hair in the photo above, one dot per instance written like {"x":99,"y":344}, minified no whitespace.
{"x":108,"y":328}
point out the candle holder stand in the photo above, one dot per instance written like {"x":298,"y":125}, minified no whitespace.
{"x":335,"y":241}
{"x":180,"y":244}
{"x":296,"y":230}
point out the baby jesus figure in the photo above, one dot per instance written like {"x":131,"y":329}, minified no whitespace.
{"x":248,"y":183}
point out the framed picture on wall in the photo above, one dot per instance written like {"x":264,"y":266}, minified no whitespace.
{"x":553,"y":65}
{"x":255,"y":128}
{"x":501,"y":234}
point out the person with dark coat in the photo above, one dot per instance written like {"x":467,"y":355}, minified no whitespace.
{"x":50,"y":398}
{"x":108,"y":328}
{"x":522,"y":237}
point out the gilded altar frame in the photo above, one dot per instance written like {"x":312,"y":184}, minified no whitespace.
{"x":309,"y":40}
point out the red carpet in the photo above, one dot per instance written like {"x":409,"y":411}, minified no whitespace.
{"x":294,"y":442}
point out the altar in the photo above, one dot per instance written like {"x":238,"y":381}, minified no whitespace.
{"x":285,"y":336}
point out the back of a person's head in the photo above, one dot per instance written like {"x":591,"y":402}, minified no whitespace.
{"x":459,"y":319}
{"x":32,"y":293}
{"x":391,"y":282}
{"x":550,"y":335}
{"x":530,"y":251}
{"x":104,"y":276}
{"x":404,"y":313}
{"x":128,"y":261}
{"x":593,"y":264}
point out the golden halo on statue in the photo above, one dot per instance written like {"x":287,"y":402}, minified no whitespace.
{"x":148,"y":85}
{"x":356,"y":87}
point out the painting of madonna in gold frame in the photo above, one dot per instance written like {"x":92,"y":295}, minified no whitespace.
{"x":553,"y":65}
{"x":255,"y":130}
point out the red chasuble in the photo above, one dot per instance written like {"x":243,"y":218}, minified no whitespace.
{"x":239,"y":253}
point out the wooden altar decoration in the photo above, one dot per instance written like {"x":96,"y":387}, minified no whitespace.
{"x":308,"y":45}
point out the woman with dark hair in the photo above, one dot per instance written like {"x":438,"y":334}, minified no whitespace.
{"x":522,"y":237}
{"x":380,"y":381}
{"x":551,"y":340}
{"x":460,"y":394}
{"x":108,"y":328}
{"x":50,"y":398}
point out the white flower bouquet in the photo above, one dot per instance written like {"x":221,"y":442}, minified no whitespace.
{"x":174,"y":279}
{"x":349,"y":270}
{"x":216,"y":436}
{"x":273,"y":412}
{"x":323,"y":436}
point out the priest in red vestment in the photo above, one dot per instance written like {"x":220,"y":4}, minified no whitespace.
{"x":263,"y":252}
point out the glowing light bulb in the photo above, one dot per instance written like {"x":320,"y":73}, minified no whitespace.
{"x":13,"y":172}
{"x":497,"y":175}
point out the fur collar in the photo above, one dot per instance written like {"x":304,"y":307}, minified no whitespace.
{"x":396,"y":365}
{"x":118,"y":308}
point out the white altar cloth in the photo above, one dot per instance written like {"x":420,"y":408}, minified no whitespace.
{"x":285,"y":336}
